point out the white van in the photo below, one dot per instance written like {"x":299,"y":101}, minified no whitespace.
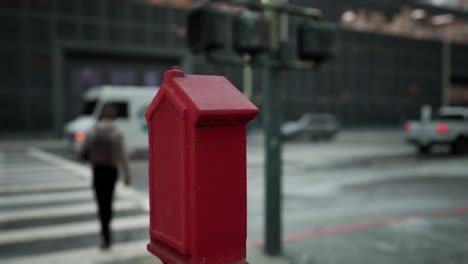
{"x":131,"y":103}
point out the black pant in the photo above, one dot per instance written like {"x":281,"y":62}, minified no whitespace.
{"x":104,"y":178}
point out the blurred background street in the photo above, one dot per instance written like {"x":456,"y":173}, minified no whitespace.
{"x":358,"y":154}
{"x":370,"y":198}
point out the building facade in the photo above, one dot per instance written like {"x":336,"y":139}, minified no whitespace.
{"x":53,"y":50}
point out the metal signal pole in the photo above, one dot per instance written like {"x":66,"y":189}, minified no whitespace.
{"x":271,"y":83}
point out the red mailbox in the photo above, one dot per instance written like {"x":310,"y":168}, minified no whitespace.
{"x":197,"y":170}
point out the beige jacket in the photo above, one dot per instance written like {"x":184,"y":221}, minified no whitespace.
{"x":104,"y":145}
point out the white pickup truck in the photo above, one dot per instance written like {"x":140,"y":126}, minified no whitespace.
{"x":449,"y":128}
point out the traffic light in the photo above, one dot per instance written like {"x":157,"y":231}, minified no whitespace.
{"x":207,"y":29}
{"x":251,"y":32}
{"x":316,"y":41}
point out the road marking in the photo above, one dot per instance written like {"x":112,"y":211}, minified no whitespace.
{"x":40,"y":178}
{"x":118,"y":253}
{"x":73,"y":229}
{"x":46,"y":197}
{"x":60,"y":162}
{"x":15,"y":163}
{"x":56,"y":186}
{"x":365,"y":225}
{"x":53,"y":173}
{"x":4,"y":164}
{"x":27,"y":170}
{"x":61,"y":210}
{"x":85,"y":172}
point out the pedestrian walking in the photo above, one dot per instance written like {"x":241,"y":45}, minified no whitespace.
{"x":104,"y":147}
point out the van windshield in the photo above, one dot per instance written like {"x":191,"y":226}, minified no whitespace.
{"x":89,"y":106}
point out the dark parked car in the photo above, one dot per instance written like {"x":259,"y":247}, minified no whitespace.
{"x":313,"y":126}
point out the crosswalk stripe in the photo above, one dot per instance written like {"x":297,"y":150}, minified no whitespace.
{"x":60,"y":162}
{"x":40,"y":178}
{"x":6,"y":189}
{"x":118,"y":253}
{"x":66,"y":230}
{"x":85,"y":172}
{"x":7,"y":164}
{"x":16,"y":157}
{"x":16,"y":162}
{"x":45,"y":197}
{"x":61,"y":210}
{"x":28,"y":170}
{"x":55,"y":171}
{"x":37,"y":181}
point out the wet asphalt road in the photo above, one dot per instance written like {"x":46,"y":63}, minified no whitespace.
{"x":366,"y":197}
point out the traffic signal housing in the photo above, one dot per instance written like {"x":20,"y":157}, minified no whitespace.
{"x":207,"y":29}
{"x":251,"y":32}
{"x":316,"y":41}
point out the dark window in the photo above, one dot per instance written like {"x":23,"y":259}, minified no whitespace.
{"x":122,"y":109}
{"x":89,"y":106}
{"x":451,"y":117}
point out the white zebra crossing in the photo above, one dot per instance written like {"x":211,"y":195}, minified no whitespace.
{"x":90,"y":255}
{"x":29,"y":169}
{"x":49,"y":186}
{"x":39,"y":178}
{"x":60,"y":162}
{"x":85,"y":172}
{"x":35,"y":185}
{"x":60,"y":211}
{"x":65,"y":230}
{"x":32,"y":199}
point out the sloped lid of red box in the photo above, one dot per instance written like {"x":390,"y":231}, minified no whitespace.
{"x":214,"y":93}
{"x":210,"y":98}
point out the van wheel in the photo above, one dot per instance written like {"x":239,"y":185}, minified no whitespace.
{"x":458,"y":146}
{"x":424,"y":149}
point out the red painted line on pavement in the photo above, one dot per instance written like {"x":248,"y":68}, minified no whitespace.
{"x":364,"y":225}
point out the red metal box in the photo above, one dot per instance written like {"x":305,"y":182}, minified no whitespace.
{"x":197,"y":170}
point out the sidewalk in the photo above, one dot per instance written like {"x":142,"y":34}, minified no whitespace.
{"x":254,"y":256}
